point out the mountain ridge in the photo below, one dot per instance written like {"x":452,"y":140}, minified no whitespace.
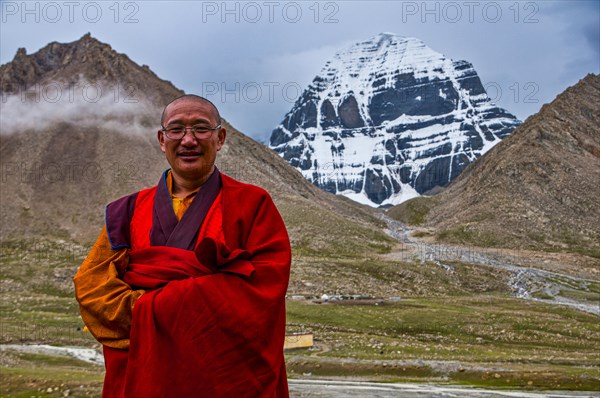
{"x":86,"y":59}
{"x":537,"y":189}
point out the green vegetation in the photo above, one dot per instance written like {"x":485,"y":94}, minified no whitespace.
{"x":421,"y":234}
{"x":37,"y":301}
{"x":327,"y":234}
{"x":460,"y":326}
{"x":585,"y":251}
{"x":43,"y":376}
{"x":542,"y":295}
{"x":549,"y":346}
{"x":462,"y":234}
{"x":591,"y":297}
{"x":414,"y":211}
{"x":459,"y":234}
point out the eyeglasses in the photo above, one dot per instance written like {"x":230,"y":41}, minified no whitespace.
{"x":200,"y":132}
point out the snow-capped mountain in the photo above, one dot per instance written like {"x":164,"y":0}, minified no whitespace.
{"x":389,"y":119}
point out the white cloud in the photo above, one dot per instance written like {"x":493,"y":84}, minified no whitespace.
{"x":84,"y":104}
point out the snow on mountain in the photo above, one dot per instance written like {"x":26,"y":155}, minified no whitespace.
{"x":389,"y":119}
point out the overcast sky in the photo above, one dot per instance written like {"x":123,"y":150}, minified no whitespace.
{"x":253,"y":58}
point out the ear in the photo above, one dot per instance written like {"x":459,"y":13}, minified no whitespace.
{"x":161,"y":140}
{"x":221,"y":135}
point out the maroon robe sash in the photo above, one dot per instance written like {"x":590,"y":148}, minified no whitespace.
{"x":165,"y":230}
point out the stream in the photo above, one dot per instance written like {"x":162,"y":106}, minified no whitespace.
{"x":525,"y":282}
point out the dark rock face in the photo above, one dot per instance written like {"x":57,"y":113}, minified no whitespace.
{"x":389,"y":119}
{"x":349,"y":113}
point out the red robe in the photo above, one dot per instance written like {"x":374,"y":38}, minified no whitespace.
{"x":212,"y":320}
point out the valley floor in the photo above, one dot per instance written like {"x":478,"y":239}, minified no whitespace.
{"x":438,"y":317}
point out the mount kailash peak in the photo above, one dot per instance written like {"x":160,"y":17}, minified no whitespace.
{"x":389,"y":119}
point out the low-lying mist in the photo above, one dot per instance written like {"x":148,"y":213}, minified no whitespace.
{"x":84,"y":104}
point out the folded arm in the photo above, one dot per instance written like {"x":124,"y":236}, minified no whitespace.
{"x":105,"y":301}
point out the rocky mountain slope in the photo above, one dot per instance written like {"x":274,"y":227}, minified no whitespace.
{"x":79,"y":124}
{"x":389,"y":119}
{"x":539,"y":188}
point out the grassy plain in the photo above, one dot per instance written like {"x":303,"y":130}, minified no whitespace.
{"x":462,"y":327}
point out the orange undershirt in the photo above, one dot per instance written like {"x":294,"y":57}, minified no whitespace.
{"x":180,"y":205}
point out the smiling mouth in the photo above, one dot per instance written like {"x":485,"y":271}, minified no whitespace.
{"x":189,"y":154}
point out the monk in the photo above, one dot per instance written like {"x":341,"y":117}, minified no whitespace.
{"x":185,"y":286}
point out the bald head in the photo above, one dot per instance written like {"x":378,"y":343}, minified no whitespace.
{"x":191,"y":98}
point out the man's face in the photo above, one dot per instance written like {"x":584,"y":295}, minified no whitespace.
{"x":191,"y":159}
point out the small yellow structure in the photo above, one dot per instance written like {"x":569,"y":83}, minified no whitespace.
{"x":298,"y":340}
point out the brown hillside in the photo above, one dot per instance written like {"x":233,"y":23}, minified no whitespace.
{"x":63,"y":160}
{"x":538,"y":188}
